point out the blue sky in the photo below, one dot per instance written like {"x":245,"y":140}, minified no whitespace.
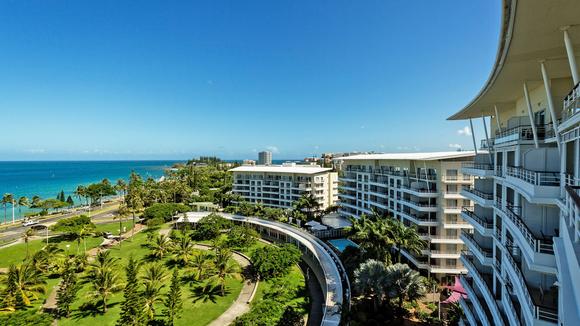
{"x":152,"y":80}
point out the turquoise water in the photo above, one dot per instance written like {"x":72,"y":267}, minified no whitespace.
{"x":341,"y":244}
{"x":47,"y":179}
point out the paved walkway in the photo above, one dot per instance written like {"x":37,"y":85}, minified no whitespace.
{"x":242,"y":303}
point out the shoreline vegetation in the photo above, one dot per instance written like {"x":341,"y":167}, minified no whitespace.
{"x":208,"y":282}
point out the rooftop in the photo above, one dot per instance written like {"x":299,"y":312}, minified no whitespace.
{"x":530,"y":32}
{"x":429,"y":156}
{"x":299,"y":169}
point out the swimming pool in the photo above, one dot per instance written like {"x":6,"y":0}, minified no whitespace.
{"x":341,"y":244}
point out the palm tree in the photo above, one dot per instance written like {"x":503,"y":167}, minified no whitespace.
{"x":404,"y":283}
{"x":374,"y":235}
{"x":183,"y":250}
{"x":22,"y":201}
{"x":224,"y":269}
{"x":307,"y":202}
{"x":200,"y":263}
{"x":160,"y":247}
{"x":104,"y":284}
{"x":8,"y":199}
{"x":27,"y":281}
{"x":82,"y":233}
{"x":81,"y":192}
{"x":103,"y":262}
{"x":26,"y":237}
{"x":406,"y":237}
{"x":48,"y":258}
{"x":369,"y":280}
{"x":153,"y":282}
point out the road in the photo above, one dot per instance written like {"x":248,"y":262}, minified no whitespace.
{"x":15,"y":232}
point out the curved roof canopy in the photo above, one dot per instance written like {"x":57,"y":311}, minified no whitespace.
{"x":531,"y":32}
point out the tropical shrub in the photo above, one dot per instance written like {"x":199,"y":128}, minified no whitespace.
{"x":270,"y":261}
{"x":210,"y":227}
{"x":164,"y":211}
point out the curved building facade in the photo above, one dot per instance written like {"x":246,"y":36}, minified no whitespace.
{"x":523,"y":257}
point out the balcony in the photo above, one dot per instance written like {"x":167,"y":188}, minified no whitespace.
{"x":511,"y":311}
{"x":480,"y":280}
{"x":522,"y":133}
{"x":441,"y":238}
{"x":526,"y":298}
{"x":425,"y":193}
{"x":415,"y":260}
{"x":479,"y":223}
{"x":571,"y":108}
{"x":467,"y":308}
{"x":452,"y":210}
{"x":422,"y":207}
{"x":441,"y":254}
{"x":420,"y":220}
{"x":485,"y":256}
{"x":482,"y":198}
{"x":456,"y":224}
{"x":457,"y":178}
{"x":539,"y":252}
{"x":475,"y":300}
{"x":538,"y":187}
{"x":477,"y":169}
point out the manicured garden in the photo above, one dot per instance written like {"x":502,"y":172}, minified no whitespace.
{"x":97,"y":291}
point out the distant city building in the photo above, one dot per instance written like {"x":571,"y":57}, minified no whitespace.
{"x":249,"y":162}
{"x":265,"y":158}
{"x":279,"y":186}
{"x":419,"y":189}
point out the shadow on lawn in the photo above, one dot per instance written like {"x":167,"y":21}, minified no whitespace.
{"x":207,"y":292}
{"x":91,"y":309}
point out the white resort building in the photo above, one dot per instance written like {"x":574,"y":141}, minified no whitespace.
{"x":278,"y":186}
{"x":523,"y":256}
{"x":420,"y":189}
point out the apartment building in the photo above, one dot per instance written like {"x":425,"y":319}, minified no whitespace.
{"x":265,"y":158}
{"x":420,"y":189}
{"x":523,"y":254}
{"x":278,"y":186}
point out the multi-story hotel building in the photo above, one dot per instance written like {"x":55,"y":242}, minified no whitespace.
{"x":279,"y":186}
{"x":522,"y":259}
{"x":420,"y":189}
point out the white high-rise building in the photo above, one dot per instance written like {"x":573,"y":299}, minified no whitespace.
{"x":523,"y":259}
{"x":265,"y":158}
{"x":419,"y":189}
{"x":278,"y":186}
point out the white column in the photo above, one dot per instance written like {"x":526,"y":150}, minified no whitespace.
{"x":550,"y":102}
{"x":530,"y":114}
{"x":571,"y":57}
{"x":487,"y":140}
{"x":497,"y":118}
{"x":473,"y":136}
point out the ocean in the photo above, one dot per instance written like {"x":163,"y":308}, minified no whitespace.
{"x":47,"y":179}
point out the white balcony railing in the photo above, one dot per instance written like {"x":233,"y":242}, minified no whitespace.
{"x":479,"y":193}
{"x":544,"y":246}
{"x":470,"y":212}
{"x":571,"y":103}
{"x":477,"y":166}
{"x":534,"y":177}
{"x":538,"y":312}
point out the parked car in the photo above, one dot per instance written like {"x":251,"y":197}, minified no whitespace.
{"x":29,"y":223}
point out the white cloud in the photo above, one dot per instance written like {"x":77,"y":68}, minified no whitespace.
{"x":273,"y":149}
{"x":465,"y":131}
{"x":455,"y":146}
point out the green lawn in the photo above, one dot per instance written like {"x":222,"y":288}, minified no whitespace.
{"x":295,"y":280}
{"x":15,"y":254}
{"x":194,"y":313}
